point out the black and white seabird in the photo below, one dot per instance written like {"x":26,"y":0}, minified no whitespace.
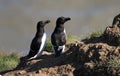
{"x":38,"y":42}
{"x":116,"y":20}
{"x":58,"y":37}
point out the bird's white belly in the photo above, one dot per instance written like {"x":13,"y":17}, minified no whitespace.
{"x":42,"y":44}
{"x":65,"y":33}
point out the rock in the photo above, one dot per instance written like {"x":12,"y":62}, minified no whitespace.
{"x":39,"y":71}
{"x":112,"y":36}
{"x":89,"y":65}
{"x":20,"y":72}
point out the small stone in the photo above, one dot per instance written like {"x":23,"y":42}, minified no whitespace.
{"x":39,"y":71}
{"x":21,"y":72}
{"x":89,"y":65}
{"x":101,"y":53}
{"x":90,"y":55}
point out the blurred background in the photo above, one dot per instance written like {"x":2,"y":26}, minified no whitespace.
{"x":18,"y":19}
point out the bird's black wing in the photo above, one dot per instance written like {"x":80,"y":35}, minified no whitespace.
{"x":63,"y":39}
{"x":58,"y":39}
{"x":34,"y":47}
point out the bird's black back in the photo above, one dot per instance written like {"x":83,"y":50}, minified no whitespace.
{"x":35,"y":44}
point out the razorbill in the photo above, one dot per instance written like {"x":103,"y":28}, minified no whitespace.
{"x":58,"y":37}
{"x":38,"y":42}
{"x":116,"y":20}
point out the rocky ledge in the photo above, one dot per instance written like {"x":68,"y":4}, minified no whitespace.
{"x":96,"y":56}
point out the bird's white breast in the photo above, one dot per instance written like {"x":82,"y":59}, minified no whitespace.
{"x":65,"y":33}
{"x":43,"y":43}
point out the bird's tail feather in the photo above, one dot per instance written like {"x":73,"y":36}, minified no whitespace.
{"x":31,"y":54}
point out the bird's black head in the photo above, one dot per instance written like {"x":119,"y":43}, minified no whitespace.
{"x":42,"y":23}
{"x":62,"y":20}
{"x":116,"y":20}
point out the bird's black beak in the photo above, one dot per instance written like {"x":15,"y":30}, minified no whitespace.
{"x":47,"y":21}
{"x":67,"y":19}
